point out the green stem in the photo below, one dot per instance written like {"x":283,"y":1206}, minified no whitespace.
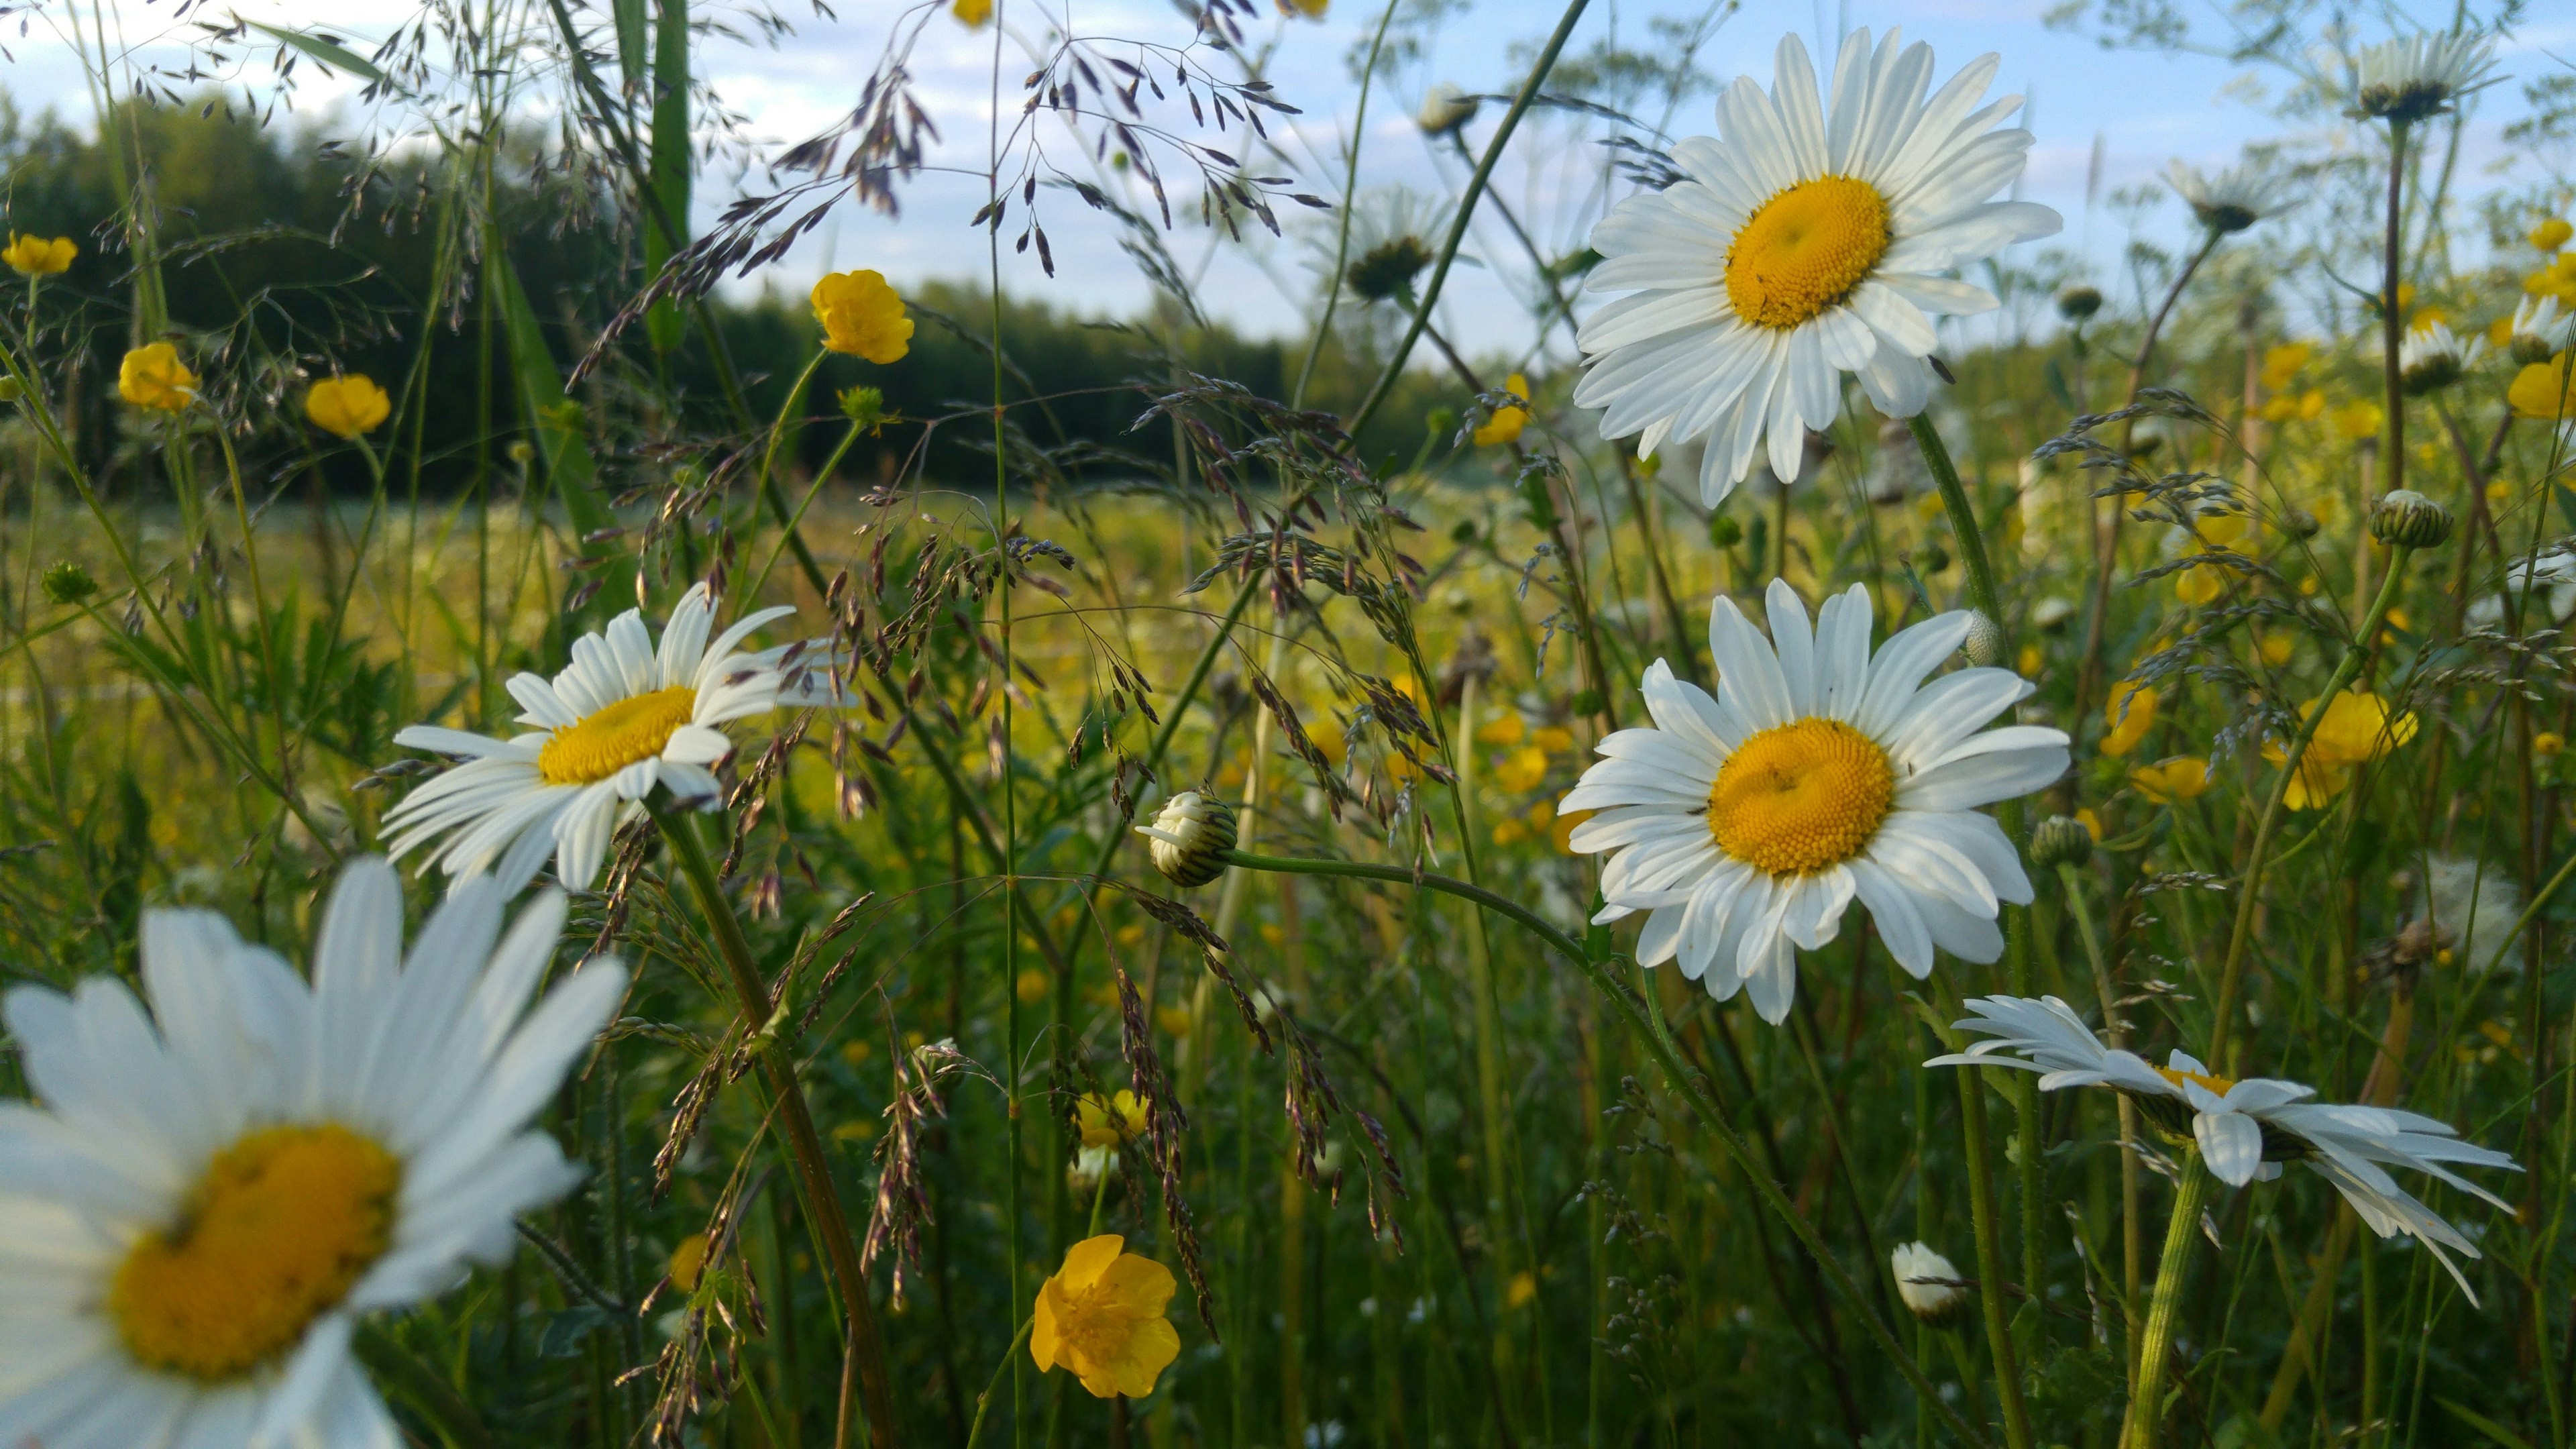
{"x":813,"y":1167}
{"x":2147,"y":1404}
{"x":984,"y":1400}
{"x":2132,"y":1226}
{"x":1683,"y":1080}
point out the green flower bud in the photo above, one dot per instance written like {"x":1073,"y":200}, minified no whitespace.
{"x":2408,"y":519}
{"x":69,"y":583}
{"x":2060,"y":840}
{"x":1189,"y":839}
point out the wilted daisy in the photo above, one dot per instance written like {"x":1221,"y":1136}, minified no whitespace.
{"x":623,"y":718}
{"x":1745,"y":825}
{"x":1813,"y":240}
{"x":217,"y":1181}
{"x":2245,"y":1129}
{"x":2416,"y":77}
{"x":2227,"y":201}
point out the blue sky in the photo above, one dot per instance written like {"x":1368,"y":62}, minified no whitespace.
{"x":2145,"y":109}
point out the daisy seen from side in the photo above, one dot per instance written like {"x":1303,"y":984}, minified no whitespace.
{"x":219,"y":1179}
{"x":625,"y":717}
{"x":1818,"y":237}
{"x":2245,"y":1130}
{"x":1744,"y":825}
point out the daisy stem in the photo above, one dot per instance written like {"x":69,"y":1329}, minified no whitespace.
{"x":824,"y":1214}
{"x":2147,"y":1402}
{"x":2356,"y":654}
{"x":1694,"y":1095}
{"x":2132,"y":1225}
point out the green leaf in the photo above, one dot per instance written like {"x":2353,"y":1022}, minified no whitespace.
{"x":671,"y":163}
{"x":629,"y":15}
{"x":325,"y":51}
{"x":555,"y":419}
{"x":2494,"y":1431}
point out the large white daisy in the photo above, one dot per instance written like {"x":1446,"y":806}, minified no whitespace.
{"x":207,"y":1195}
{"x":1745,"y":825}
{"x":2416,"y":77}
{"x":1810,"y":241}
{"x":2245,"y":1129}
{"x":623,"y":718}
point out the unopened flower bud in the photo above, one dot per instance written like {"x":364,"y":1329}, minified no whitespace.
{"x":1928,"y":1284}
{"x":2408,"y":519}
{"x":2060,"y":840}
{"x":10,"y":391}
{"x":68,"y":583}
{"x":2077,"y":304}
{"x":1189,"y":839}
{"x":1985,"y":642}
{"x":1724,"y":531}
{"x":1444,"y":109}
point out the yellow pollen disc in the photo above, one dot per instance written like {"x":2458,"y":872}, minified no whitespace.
{"x":616,"y":737}
{"x":283,"y":1224}
{"x":1804,"y":250}
{"x":2220,"y":1085}
{"x":1800,"y":797}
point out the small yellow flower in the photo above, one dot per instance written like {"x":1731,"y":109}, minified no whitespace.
{"x":861,"y":315}
{"x":2182,"y":777}
{"x":1031,"y":986}
{"x":2544,"y":390}
{"x":153,"y":377}
{"x":2200,"y":587}
{"x":1109,"y":1121}
{"x":2275,"y":649}
{"x":973,"y":14}
{"x":2547,"y":744}
{"x":687,"y":1261}
{"x":1506,"y":424}
{"x":1102,"y":1316}
{"x":1555,"y":739}
{"x":2552,"y":234}
{"x":1522,"y":1289}
{"x":1503,"y":729}
{"x":1521,"y":769}
{"x":2091,"y":822}
{"x":347,"y":406}
{"x":2132,"y":712}
{"x":1561,"y":832}
{"x":2284,"y":362}
{"x":2359,"y":420}
{"x":33,"y":256}
{"x":1174,"y":1020}
{"x":2030,"y":661}
{"x":2423,"y":321}
{"x":2357,"y":729}
{"x":1510,"y":832}
{"x":1311,"y":9}
{"x":2500,"y":492}
{"x":2500,"y":332}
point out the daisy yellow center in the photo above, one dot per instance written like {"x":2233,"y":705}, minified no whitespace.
{"x":616,"y":737}
{"x":1800,"y":797}
{"x":1804,"y":250}
{"x":2220,"y":1085}
{"x":276,"y":1233}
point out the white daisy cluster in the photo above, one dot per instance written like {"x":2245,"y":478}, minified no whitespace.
{"x":1814,"y":240}
{"x":2245,"y":1129}
{"x":1745,"y":825}
{"x":209,"y":1193}
{"x":623,"y":719}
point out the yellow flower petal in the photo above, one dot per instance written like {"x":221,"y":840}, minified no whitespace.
{"x":152,"y":376}
{"x":860,"y":313}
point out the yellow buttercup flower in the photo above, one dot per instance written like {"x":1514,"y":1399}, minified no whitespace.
{"x":2357,"y":729}
{"x":2091,"y":822}
{"x":861,"y":315}
{"x":2182,"y":777}
{"x":2547,"y":744}
{"x":1503,"y":729}
{"x":2199,"y":587}
{"x":1102,"y":1318}
{"x":2359,"y":420}
{"x":688,"y":1261}
{"x":2276,"y":648}
{"x":346,"y":407}
{"x":2544,"y":390}
{"x":1555,"y":739}
{"x":2552,"y":234}
{"x":152,"y":376}
{"x":1109,"y":1121}
{"x":2132,"y":712}
{"x":2284,"y":362}
{"x":972,"y":14}
{"x":1506,"y":424}
{"x":1521,"y":769}
{"x":1311,"y":9}
{"x":2423,"y":321}
{"x":34,"y":256}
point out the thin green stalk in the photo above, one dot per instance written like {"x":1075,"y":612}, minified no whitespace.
{"x":1350,"y":192}
{"x":2392,"y":323}
{"x":1009,"y":1364}
{"x":2147,"y":1404}
{"x":2132,"y":1225}
{"x":1687,"y":1083}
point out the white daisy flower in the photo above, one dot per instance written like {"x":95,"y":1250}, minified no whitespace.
{"x":2416,"y":77}
{"x":2553,"y":574}
{"x":207,"y":1195}
{"x":2246,"y":1129}
{"x":1812,"y":241}
{"x":621,"y":719}
{"x":2231,"y":200}
{"x":2538,"y":328}
{"x":1745,"y":825}
{"x":2431,"y":356}
{"x":1928,"y":1284}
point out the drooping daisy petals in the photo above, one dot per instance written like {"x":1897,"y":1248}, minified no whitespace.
{"x":1743,"y":825}
{"x":1816,"y":239}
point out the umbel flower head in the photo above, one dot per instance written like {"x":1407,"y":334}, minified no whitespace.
{"x":218,"y":1180}
{"x":623,"y":718}
{"x":34,"y":256}
{"x":2246,"y":1129}
{"x":860,"y":313}
{"x":2227,"y":201}
{"x":1815,"y":239}
{"x":2417,"y":77}
{"x":1102,"y":1317}
{"x":1745,"y":825}
{"x":152,"y":376}
{"x":1928,"y":1284}
{"x":347,"y":407}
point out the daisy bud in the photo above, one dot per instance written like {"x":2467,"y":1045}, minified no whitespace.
{"x":1929,"y":1284}
{"x":1444,"y":109}
{"x":1189,"y":839}
{"x":68,"y":583}
{"x":2078,"y":304}
{"x":2408,"y":519}
{"x":2060,"y":840}
{"x":1984,"y":645}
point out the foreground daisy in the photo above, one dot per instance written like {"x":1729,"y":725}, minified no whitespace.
{"x":1745,"y":825}
{"x":622,"y":719}
{"x":208,"y":1194}
{"x":1813,"y":240}
{"x":2245,"y":1129}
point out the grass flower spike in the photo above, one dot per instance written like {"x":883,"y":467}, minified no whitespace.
{"x":1746,"y":824}
{"x":861,"y":315}
{"x":2245,"y":1129}
{"x":623,"y":718}
{"x":34,"y":256}
{"x":218,"y":1180}
{"x":152,"y":376}
{"x":1814,"y":240}
{"x":347,"y":407}
{"x":1102,"y":1317}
